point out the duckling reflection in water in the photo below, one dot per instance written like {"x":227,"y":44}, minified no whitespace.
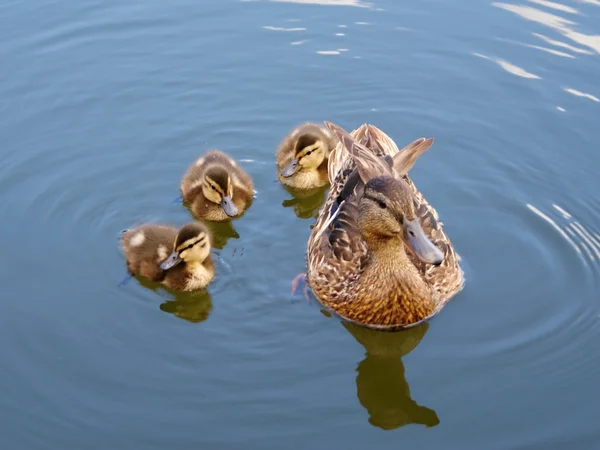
{"x":306,"y":203}
{"x":193,"y":308}
{"x":302,"y":156}
{"x":381,"y":384}
{"x":220,"y":233}
{"x":187,"y":266}
{"x":216,"y":188}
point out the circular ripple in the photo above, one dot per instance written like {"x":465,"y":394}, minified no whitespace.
{"x":530,"y":295}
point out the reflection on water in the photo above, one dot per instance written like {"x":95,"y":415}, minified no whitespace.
{"x":306,"y":204}
{"x":272,"y":28}
{"x":381,"y":384}
{"x":357,"y":3}
{"x":191,"y":307}
{"x":582,"y":94}
{"x":510,"y":68}
{"x":562,"y":44}
{"x":560,"y":24}
{"x":584,"y":241}
{"x":557,"y":6}
{"x":543,"y":49}
{"x":221,"y":232}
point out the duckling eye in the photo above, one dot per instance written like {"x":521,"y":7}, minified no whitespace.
{"x":213,"y":188}
{"x":308,"y":153}
{"x":381,"y":204}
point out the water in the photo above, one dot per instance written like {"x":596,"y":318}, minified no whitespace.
{"x":104,"y":105}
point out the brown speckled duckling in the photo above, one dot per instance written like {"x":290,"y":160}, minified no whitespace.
{"x":179,"y":260}
{"x":216,"y":187}
{"x":302,"y":156}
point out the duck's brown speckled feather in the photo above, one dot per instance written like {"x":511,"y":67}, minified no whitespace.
{"x":337,"y":253}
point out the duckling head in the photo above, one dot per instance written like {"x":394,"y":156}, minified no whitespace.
{"x":386,"y":210}
{"x":192,"y":244}
{"x":309,"y":153}
{"x":217,"y":187}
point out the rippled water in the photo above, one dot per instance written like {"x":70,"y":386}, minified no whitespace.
{"x":104,"y":105}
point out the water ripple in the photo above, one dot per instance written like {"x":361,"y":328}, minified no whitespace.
{"x":581,"y":94}
{"x":560,"y":24}
{"x":554,"y":274}
{"x":510,"y":68}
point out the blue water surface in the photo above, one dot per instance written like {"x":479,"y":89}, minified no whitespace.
{"x":106,"y":103}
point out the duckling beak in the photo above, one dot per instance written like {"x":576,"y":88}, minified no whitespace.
{"x":291,"y":168}
{"x":229,"y":207}
{"x":172,"y":260}
{"x":419,"y":243}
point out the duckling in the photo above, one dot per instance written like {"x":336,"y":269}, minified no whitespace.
{"x":216,"y":187}
{"x":302,"y":156}
{"x":188,"y":267}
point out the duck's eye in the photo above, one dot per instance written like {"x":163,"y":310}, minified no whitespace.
{"x":213,"y":188}
{"x":381,"y":204}
{"x":308,"y":153}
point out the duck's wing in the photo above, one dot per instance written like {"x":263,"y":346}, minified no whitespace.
{"x":368,"y":163}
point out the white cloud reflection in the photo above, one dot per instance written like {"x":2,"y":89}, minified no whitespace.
{"x":560,"y":24}
{"x":510,"y":68}
{"x":582,"y":94}
{"x":356,"y":3}
{"x":556,"y":6}
{"x":268,"y":27}
{"x":562,"y":44}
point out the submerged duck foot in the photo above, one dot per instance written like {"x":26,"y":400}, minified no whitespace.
{"x":125,"y":280}
{"x":300,"y":279}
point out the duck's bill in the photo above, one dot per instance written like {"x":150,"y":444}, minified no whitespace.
{"x":172,"y":260}
{"x":229,"y":207}
{"x":291,"y":168}
{"x":420,"y":244}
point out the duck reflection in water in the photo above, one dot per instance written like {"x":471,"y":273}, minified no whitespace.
{"x":306,"y":203}
{"x":381,"y":384}
{"x":191,"y":306}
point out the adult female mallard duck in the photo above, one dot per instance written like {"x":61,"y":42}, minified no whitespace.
{"x":358,"y":264}
{"x":216,"y":187}
{"x":179,"y":260}
{"x":302,"y":156}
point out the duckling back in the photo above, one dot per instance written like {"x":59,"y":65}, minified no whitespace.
{"x":193,"y":185}
{"x":146,"y":247}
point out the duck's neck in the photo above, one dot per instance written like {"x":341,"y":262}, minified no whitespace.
{"x":390,"y":266}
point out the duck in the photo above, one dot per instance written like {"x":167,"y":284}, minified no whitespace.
{"x":378,"y":255}
{"x":216,"y":187}
{"x":178,"y":259}
{"x":302,"y":156}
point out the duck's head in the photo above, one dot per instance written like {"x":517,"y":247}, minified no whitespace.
{"x":386,"y":210}
{"x":192,"y":244}
{"x":308,"y":153}
{"x":217,"y":187}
